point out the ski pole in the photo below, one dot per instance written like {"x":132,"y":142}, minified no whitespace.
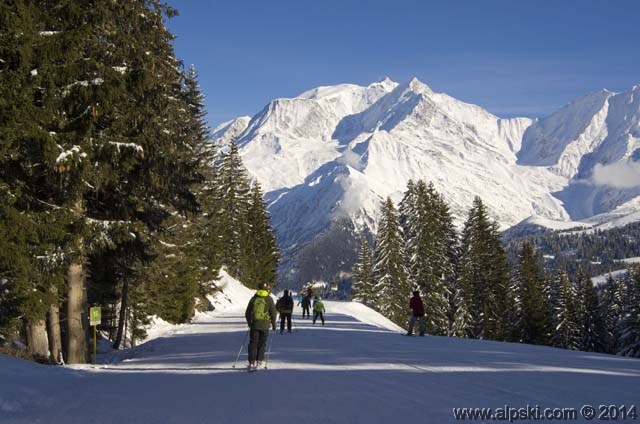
{"x":241,"y":347}
{"x":266,"y":361}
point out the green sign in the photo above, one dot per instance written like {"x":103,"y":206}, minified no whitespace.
{"x":95,"y":315}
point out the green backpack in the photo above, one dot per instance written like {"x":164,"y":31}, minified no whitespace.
{"x":260,"y":309}
{"x":319,"y":306}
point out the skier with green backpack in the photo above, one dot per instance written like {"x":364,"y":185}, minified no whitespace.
{"x":260,"y":315}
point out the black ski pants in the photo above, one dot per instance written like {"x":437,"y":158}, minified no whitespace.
{"x":285,"y":316}
{"x":317,"y":314}
{"x":305,"y":311}
{"x":257,"y":344}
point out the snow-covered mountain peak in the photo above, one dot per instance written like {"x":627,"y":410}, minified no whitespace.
{"x":335,"y":152}
{"x":386,"y":82}
{"x":230,"y":129}
{"x":418,"y":86}
{"x":560,"y":140}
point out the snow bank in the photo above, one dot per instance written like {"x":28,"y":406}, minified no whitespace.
{"x":601,"y":279}
{"x":233,"y":295}
{"x":361,"y":313}
{"x":159,"y":328}
{"x":635,"y":260}
{"x":554,"y":224}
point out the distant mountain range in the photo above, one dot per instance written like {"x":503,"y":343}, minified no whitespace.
{"x":335,"y":152}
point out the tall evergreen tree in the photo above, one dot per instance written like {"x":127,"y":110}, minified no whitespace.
{"x":259,"y":260}
{"x":392,"y":289}
{"x":629,"y":327}
{"x":409,"y":223}
{"x":233,"y":195}
{"x":611,"y":313}
{"x":363,"y":282}
{"x":534,"y":324}
{"x":97,"y":131}
{"x":430,"y":262}
{"x":484,"y":275}
{"x":566,"y":326}
{"x":589,"y":322}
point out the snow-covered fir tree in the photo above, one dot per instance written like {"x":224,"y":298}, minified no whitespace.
{"x":629,"y":327}
{"x":589,"y":318}
{"x":484,"y":275}
{"x":233,"y":194}
{"x":408,"y":220}
{"x":533,"y":324}
{"x":392,"y":289}
{"x":107,"y":171}
{"x":611,"y":313}
{"x":363,"y":282}
{"x":259,"y":260}
{"x":566,"y":332}
{"x":427,"y":227}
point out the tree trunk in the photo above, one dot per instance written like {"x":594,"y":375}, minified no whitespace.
{"x":123,"y":314}
{"x":77,"y":347}
{"x":76,"y":306}
{"x":53,"y":331}
{"x":37,"y":344}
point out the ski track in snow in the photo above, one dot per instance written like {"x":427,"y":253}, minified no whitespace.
{"x":345,"y":372}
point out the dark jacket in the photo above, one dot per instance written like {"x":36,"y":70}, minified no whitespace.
{"x":306,"y":302}
{"x":262,"y":324}
{"x":285,"y":305}
{"x":417,"y":306}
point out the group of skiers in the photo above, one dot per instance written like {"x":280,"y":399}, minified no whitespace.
{"x":261,"y":314}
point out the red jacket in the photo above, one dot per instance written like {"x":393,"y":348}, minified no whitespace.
{"x":417,"y":306}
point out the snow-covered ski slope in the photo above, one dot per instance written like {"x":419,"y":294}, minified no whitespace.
{"x":349,"y":371}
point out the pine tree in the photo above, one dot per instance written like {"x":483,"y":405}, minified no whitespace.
{"x":589,"y":322}
{"x":392,"y":289}
{"x":611,"y":312}
{"x":567,"y":332}
{"x":534,"y":323}
{"x":459,"y":316}
{"x":430,"y":261}
{"x":98,"y":133}
{"x":259,"y":260}
{"x":363,"y":282}
{"x":233,"y":195}
{"x":629,"y":327}
{"x":409,"y":223}
{"x":484,"y":275}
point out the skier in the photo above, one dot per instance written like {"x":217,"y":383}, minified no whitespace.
{"x":306,"y":305}
{"x":318,"y":310}
{"x":260,"y":314}
{"x":417,"y":313}
{"x":285,"y":308}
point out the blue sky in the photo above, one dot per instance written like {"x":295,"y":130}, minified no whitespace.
{"x":515,"y":58}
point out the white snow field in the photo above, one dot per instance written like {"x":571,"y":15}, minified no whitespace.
{"x":355,"y":369}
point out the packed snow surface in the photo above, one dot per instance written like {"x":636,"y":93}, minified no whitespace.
{"x":355,"y":369}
